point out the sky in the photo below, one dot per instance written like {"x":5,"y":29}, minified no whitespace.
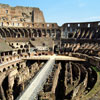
{"x":63,"y":11}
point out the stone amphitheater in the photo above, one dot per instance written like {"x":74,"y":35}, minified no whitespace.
{"x":27,"y":45}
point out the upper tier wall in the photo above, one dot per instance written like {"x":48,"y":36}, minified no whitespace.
{"x":82,"y":24}
{"x":21,"y":14}
{"x":29,"y":25}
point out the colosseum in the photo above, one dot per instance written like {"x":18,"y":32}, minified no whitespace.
{"x":45,"y":61}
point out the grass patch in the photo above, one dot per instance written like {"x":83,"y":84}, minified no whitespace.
{"x":96,"y":69}
{"x":96,"y":87}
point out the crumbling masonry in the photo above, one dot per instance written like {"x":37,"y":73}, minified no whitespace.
{"x":25,"y":34}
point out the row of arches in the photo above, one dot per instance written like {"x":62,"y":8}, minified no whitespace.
{"x":5,"y":84}
{"x":88,"y":33}
{"x":6,"y":68}
{"x":28,"y":32}
{"x":20,"y":51}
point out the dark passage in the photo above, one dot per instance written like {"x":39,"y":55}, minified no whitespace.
{"x":60,"y":90}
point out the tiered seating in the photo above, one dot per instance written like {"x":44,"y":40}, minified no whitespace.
{"x":86,"y":33}
{"x":91,"y":49}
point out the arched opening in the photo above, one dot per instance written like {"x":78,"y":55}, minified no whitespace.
{"x":2,"y":33}
{"x":19,"y":51}
{"x":70,"y":35}
{"x":16,"y":89}
{"x":18,"y":66}
{"x":29,"y":54}
{"x":13,"y":33}
{"x":56,"y":49}
{"x":22,"y":33}
{"x":13,"y":65}
{"x":8,"y":34}
{"x":44,"y":32}
{"x":26,"y":46}
{"x":39,"y":33}
{"x":35,"y":33}
{"x":7,"y":59}
{"x":10,"y":58}
{"x":23,"y":51}
{"x":21,"y":46}
{"x":39,"y":54}
{"x":5,"y":86}
{"x":2,"y":54}
{"x":58,"y":34}
{"x":27,"y":50}
{"x":48,"y":31}
{"x":18,"y":35}
{"x":4,"y":69}
{"x":8,"y":67}
{"x":26,"y":34}
{"x":30,"y":34}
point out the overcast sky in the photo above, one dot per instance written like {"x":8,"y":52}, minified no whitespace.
{"x":63,"y":11}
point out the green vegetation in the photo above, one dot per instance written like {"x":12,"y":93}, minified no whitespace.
{"x":96,"y":87}
{"x":96,"y":69}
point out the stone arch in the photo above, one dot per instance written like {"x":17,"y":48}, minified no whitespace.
{"x":49,"y":32}
{"x":26,"y":46}
{"x":19,"y":35}
{"x":5,"y":86}
{"x":13,"y":65}
{"x":16,"y":89}
{"x":53,"y":33}
{"x":43,"y":32}
{"x":23,"y":51}
{"x":58,"y":34}
{"x":21,"y":32}
{"x":30,"y":33}
{"x":21,"y":46}
{"x":55,"y":48}
{"x":9,"y":67}
{"x":39,"y":32}
{"x":35,"y":32}
{"x":12,"y":32}
{"x":2,"y":33}
{"x":8,"y":34}
{"x":7,"y":59}
{"x":4,"y":69}
{"x":17,"y":32}
{"x":17,"y":64}
{"x":25,"y":32}
{"x":27,"y":50}
{"x":19,"y":51}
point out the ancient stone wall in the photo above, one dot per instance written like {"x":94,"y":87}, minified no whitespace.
{"x":21,"y":14}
